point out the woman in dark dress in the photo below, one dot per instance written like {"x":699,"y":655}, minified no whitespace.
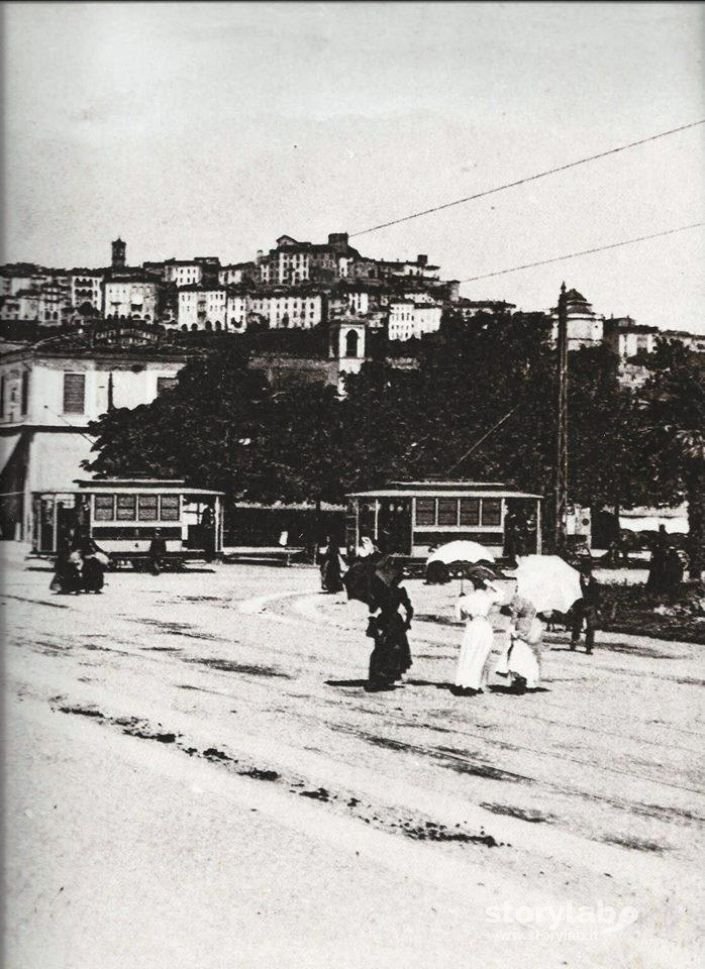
{"x":331,"y":572}
{"x":93,"y":571}
{"x":391,"y":656}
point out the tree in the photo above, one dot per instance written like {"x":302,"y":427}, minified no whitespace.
{"x":673,"y":409}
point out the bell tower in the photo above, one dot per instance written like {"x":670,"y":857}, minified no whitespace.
{"x":118,"y":259}
{"x":347,"y":347}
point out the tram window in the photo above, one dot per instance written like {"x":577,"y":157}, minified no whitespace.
{"x":425,"y":511}
{"x":104,"y":508}
{"x":447,"y":511}
{"x":469,"y":511}
{"x":147,"y":508}
{"x":491,"y":511}
{"x":126,"y":507}
{"x":169,"y":508}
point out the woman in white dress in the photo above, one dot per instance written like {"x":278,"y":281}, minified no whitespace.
{"x":474,"y":609}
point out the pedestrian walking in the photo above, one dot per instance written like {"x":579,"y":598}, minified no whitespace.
{"x":157,"y":551}
{"x":586,"y":609}
{"x":391,"y":656}
{"x":657,"y":566}
{"x":474,"y":609}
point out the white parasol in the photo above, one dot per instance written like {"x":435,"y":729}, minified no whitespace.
{"x":462,"y":552}
{"x":548,"y":582}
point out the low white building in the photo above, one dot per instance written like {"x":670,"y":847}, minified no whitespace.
{"x":412,"y":319}
{"x":49,"y":393}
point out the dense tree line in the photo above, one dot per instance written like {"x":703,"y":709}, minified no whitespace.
{"x":480,"y":404}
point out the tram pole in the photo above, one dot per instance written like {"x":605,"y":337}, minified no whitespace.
{"x":560,"y":509}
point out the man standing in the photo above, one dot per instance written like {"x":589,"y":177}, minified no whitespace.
{"x":586,"y":609}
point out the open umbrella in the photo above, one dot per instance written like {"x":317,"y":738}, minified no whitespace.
{"x":548,"y":582}
{"x":455,"y":557}
{"x":462,"y":552}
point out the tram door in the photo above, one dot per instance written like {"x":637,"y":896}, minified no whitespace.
{"x":394,"y":528}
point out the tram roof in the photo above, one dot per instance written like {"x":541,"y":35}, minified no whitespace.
{"x":450,"y":489}
{"x":142,"y":484}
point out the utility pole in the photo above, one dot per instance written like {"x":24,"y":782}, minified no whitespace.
{"x":560,"y":509}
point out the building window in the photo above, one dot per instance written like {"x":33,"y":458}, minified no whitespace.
{"x":74,"y":393}
{"x":165,"y":383}
{"x":169,"y":508}
{"x":126,"y":508}
{"x":425,"y":511}
{"x":469,"y":511}
{"x":25,"y":392}
{"x":447,"y":511}
{"x":147,"y":508}
{"x":104,"y":508}
{"x":492,"y":511}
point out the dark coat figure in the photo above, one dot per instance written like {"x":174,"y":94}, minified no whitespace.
{"x":391,"y":656}
{"x":331,"y":573}
{"x":67,"y":575}
{"x":673,"y":568}
{"x":93,"y":570}
{"x":586,"y":610}
{"x":657,"y":566}
{"x":208,"y":532}
{"x":157,"y":551}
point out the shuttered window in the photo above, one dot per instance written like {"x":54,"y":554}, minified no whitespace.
{"x":447,"y":511}
{"x":74,"y":393}
{"x":170,"y":508}
{"x":425,"y":511}
{"x":126,"y":506}
{"x":147,"y":508}
{"x":469,"y":511}
{"x":104,"y":508}
{"x":491,"y":511}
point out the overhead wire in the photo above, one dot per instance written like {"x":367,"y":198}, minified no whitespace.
{"x":528,"y":178}
{"x":584,"y":252}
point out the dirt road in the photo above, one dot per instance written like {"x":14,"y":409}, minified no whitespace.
{"x":195,"y":777}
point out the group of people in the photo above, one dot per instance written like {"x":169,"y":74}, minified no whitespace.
{"x":502,"y":641}
{"x":80,"y":567}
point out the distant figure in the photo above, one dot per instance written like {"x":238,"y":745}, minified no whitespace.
{"x":332,"y":567}
{"x":157,"y":551}
{"x":208,"y":532}
{"x":657,"y":566}
{"x":586,"y":609}
{"x":95,"y":562}
{"x":673,"y":568}
{"x":391,"y":656}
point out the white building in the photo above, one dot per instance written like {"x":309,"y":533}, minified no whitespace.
{"x":183,"y":272}
{"x":49,"y":392}
{"x":411,"y":318}
{"x":298,"y":310}
{"x":585,"y":327}
{"x":236,"y":273}
{"x":202,"y":308}
{"x":86,"y":286}
{"x":134,"y":297}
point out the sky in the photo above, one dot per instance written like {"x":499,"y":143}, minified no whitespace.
{"x":212,"y":129}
